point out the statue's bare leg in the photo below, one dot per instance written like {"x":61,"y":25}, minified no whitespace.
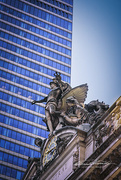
{"x":48,"y":118}
{"x":49,"y":113}
{"x":52,"y":109}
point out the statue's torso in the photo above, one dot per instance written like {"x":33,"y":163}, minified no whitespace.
{"x":53,"y":95}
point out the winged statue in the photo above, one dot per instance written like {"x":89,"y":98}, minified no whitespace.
{"x":79,"y":93}
{"x":61,"y":100}
{"x":65,"y":106}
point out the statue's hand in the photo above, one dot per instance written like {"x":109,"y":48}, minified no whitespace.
{"x":63,"y":113}
{"x":33,"y":102}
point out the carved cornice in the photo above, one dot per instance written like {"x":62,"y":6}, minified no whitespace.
{"x":100,"y":154}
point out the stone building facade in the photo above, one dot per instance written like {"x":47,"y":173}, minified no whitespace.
{"x":85,"y":155}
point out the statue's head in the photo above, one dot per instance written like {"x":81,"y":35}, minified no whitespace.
{"x":53,"y":84}
{"x":55,"y":80}
{"x":71,"y":101}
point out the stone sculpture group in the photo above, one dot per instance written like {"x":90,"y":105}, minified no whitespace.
{"x":65,"y":106}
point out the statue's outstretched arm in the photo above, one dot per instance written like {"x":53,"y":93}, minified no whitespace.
{"x":40,"y":101}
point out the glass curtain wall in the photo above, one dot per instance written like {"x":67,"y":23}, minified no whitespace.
{"x":36,"y":41}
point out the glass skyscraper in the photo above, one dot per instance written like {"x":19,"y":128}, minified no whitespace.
{"x":36,"y":41}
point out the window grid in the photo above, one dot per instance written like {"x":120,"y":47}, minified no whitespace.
{"x":13,"y":159}
{"x":21,"y":102}
{"x":11,"y":172}
{"x":41,"y":14}
{"x":19,"y":136}
{"x":22,"y":114}
{"x":42,"y":69}
{"x":31,"y":53}
{"x":16,"y":147}
{"x":24,"y":82}
{"x":20,"y":91}
{"x":56,"y":4}
{"x":40,"y":25}
{"x":35,"y":43}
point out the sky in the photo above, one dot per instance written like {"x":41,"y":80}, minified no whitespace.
{"x":96,"y":48}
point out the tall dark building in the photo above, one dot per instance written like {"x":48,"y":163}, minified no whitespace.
{"x":36,"y":41}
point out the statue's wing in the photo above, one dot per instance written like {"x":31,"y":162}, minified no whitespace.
{"x":79,"y":92}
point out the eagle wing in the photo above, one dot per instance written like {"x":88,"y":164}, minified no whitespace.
{"x":79,"y":92}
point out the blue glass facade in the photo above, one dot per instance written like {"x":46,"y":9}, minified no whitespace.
{"x":36,"y":41}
